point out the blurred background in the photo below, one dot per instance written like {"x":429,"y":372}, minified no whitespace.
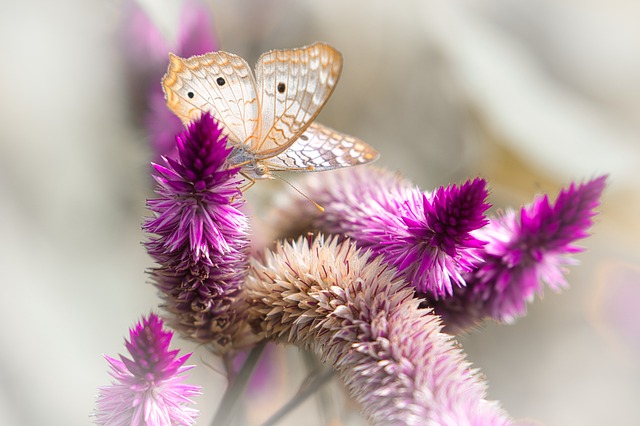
{"x":530,"y":95}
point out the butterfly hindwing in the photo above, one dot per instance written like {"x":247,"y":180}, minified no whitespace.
{"x":322,"y":148}
{"x":220,"y":83}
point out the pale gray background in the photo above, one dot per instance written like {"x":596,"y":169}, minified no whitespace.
{"x":528,"y":94}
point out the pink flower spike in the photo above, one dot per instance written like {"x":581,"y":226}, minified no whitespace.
{"x":358,"y":315}
{"x":437,"y":245}
{"x":196,"y":35}
{"x":427,"y":237}
{"x":523,"y":253}
{"x":195,"y":217}
{"x":144,"y":44}
{"x":148,"y":388}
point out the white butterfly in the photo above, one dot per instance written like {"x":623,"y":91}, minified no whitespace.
{"x":269,"y":123}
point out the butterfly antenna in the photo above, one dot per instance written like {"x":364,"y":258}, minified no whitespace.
{"x":300,"y":192}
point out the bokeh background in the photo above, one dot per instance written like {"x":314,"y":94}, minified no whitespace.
{"x":530,"y":95}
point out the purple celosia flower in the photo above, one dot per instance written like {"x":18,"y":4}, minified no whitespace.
{"x":148,"y":388}
{"x":358,"y":315}
{"x":427,"y":237}
{"x":523,"y":252}
{"x":200,"y":238}
{"x":436,"y":244}
{"x":147,"y":51}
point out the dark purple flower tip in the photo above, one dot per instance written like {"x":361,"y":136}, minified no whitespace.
{"x":203,"y":151}
{"x":197,"y":210}
{"x":151,"y":360}
{"x":547,"y":227}
{"x":452,"y":213}
{"x":438,"y":243}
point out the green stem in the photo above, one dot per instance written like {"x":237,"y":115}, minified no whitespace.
{"x":314,"y":382}
{"x":229,"y":404}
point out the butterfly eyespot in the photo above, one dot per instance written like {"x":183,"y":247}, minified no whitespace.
{"x":281,"y":87}
{"x":190,"y":95}
{"x":220,"y":81}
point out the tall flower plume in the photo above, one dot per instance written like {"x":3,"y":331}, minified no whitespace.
{"x":427,"y":237}
{"x":199,"y":238}
{"x":359,"y":316}
{"x":523,"y":253}
{"x":148,"y":388}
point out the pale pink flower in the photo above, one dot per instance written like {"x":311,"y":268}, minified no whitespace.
{"x":355,"y":314}
{"x":148,"y":387}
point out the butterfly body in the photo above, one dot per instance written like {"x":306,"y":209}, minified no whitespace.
{"x":269,"y":119}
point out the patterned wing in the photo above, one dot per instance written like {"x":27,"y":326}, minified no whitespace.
{"x":218,"y":82}
{"x":293,"y":86}
{"x":321,"y":148}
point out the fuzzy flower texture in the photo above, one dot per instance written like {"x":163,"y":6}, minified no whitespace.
{"x":442,"y":238}
{"x":524,"y":251}
{"x":148,"y":388}
{"x":355,"y":313}
{"x":199,"y":239}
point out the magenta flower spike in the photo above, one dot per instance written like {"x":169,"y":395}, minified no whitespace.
{"x":199,"y":238}
{"x":523,"y":253}
{"x":148,"y":387}
{"x":427,"y":237}
{"x":436,"y":245}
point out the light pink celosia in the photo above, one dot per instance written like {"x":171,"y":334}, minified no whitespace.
{"x":356,"y":315}
{"x":148,"y":388}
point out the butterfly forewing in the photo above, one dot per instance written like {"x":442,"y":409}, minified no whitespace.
{"x":322,"y":148}
{"x":293,"y":86}
{"x":220,"y":83}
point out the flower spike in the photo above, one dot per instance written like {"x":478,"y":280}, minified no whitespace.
{"x":427,"y":237}
{"x":524,"y":252}
{"x":148,"y":388}
{"x":199,"y":239}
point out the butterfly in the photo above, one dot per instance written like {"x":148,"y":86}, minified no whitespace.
{"x":269,"y":118}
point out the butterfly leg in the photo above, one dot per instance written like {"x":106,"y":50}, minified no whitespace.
{"x":243,"y":188}
{"x":248,"y":184}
